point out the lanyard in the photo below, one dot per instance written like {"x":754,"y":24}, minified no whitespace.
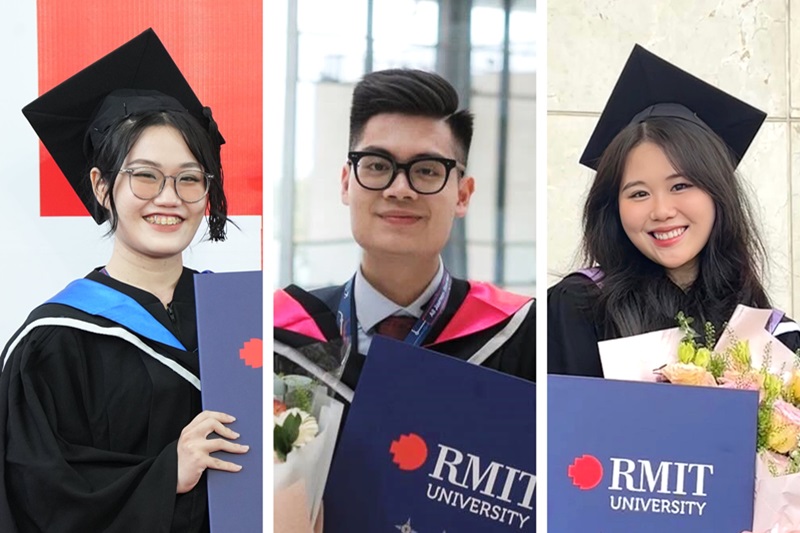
{"x":348,"y":328}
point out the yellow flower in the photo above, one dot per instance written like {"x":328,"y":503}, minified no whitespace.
{"x":688,"y":374}
{"x":794,"y":386}
{"x":784,"y":427}
{"x":686,"y":352}
{"x":702,"y":357}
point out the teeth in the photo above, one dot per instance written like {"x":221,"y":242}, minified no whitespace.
{"x":163,"y":221}
{"x":669,"y":235}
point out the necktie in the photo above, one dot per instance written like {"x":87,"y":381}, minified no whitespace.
{"x":396,"y":327}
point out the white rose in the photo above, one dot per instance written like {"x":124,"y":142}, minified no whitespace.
{"x":308,"y":426}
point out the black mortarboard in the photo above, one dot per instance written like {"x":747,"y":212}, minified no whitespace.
{"x":650,"y":86}
{"x":137,"y":77}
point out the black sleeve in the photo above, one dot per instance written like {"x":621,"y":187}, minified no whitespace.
{"x":571,"y":332}
{"x":791,"y":339}
{"x":64,"y":468}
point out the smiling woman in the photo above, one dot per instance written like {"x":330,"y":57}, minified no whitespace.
{"x":663,"y":213}
{"x":150,"y":217}
{"x":666,"y":224}
{"x":101,"y":426}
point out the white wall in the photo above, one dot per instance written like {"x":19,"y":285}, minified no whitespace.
{"x":749,"y":49}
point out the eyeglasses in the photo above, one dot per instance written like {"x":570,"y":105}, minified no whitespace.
{"x":377,"y":172}
{"x":191,"y":186}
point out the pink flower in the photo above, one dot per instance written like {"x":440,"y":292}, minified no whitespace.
{"x":750,"y":380}
{"x":687,"y":374}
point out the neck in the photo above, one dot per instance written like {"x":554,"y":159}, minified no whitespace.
{"x":156,"y":276}
{"x":398,"y":278}
{"x":683,"y":276}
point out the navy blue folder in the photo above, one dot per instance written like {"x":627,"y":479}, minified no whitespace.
{"x":229,"y":322}
{"x":629,"y":456}
{"x":432,"y":444}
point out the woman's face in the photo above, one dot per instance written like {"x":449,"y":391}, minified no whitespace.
{"x":164,"y":226}
{"x":665,"y":215}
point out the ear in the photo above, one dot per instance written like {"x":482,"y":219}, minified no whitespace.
{"x":466,"y":186}
{"x":345,"y":185}
{"x":100,"y":187}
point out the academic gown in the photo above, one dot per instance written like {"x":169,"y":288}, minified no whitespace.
{"x":90,"y":423}
{"x":474,"y":314}
{"x":573,"y":330}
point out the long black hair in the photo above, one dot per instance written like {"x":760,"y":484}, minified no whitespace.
{"x":636,"y":295}
{"x":111,"y":152}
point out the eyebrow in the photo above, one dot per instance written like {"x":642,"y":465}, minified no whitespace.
{"x":640,"y":182}
{"x":147,"y":162}
{"x":379,"y":150}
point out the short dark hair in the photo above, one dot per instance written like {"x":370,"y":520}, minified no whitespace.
{"x":410,"y":92}
{"x":635,"y":292}
{"x":115,"y":146}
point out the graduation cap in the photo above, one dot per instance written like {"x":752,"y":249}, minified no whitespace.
{"x":652,"y":87}
{"x":73,"y":117}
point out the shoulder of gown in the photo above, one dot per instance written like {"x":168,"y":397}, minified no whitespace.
{"x":572,"y":333}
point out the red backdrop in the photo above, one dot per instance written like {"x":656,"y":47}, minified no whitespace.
{"x":216,"y":44}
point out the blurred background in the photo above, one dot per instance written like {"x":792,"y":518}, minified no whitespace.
{"x":486,"y":48}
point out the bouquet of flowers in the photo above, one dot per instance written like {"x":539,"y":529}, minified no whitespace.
{"x":306,"y":423}
{"x":745,"y":357}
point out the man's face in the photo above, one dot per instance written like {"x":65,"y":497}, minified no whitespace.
{"x":399,"y":221}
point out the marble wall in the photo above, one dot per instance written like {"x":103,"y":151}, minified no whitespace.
{"x":749,"y":48}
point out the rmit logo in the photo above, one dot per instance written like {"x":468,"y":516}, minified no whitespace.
{"x":409,"y":452}
{"x":642,"y":475}
{"x":586,"y":472}
{"x":252,"y":353}
{"x":466,"y":470}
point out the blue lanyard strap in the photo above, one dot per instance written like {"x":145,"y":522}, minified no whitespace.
{"x":97,"y":299}
{"x":347,"y":309}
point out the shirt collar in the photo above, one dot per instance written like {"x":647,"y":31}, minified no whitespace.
{"x":372,"y":306}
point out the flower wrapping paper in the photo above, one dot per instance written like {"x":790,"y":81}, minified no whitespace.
{"x":777,"y":498}
{"x":300,"y":481}
{"x":777,"y":501}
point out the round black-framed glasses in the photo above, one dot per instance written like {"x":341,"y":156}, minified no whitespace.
{"x":376,"y":171}
{"x":146,"y":183}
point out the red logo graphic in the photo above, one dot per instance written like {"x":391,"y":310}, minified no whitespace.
{"x":252,"y":353}
{"x":409,"y":451}
{"x":586,"y":472}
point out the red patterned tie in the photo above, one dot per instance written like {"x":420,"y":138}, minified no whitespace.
{"x":396,"y":327}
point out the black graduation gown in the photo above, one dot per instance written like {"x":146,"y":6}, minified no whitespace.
{"x":573,"y":332}
{"x":90,"y":423}
{"x":517,"y":356}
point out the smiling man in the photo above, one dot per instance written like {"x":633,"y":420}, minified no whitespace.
{"x":405,"y":181}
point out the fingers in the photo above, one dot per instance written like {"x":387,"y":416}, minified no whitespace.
{"x":222,"y":445}
{"x":209,"y":422}
{"x":216,"y":463}
{"x":194,"y":448}
{"x":209,"y":417}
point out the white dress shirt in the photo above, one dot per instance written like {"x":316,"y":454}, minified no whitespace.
{"x":372,"y":306}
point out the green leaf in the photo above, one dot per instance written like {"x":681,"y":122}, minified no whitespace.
{"x":717,"y":365}
{"x":711,"y":335}
{"x":740,"y":353}
{"x":285,"y":435}
{"x":685,"y":325}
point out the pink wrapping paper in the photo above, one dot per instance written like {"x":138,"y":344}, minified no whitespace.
{"x":777,"y":498}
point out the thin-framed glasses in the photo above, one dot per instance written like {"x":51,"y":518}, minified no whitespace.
{"x":146,"y":183}
{"x":376,"y":171}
